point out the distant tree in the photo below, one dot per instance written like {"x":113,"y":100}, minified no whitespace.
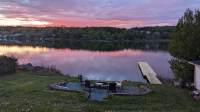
{"x":185,"y":45}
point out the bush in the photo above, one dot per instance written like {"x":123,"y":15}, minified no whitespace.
{"x":182,"y":69}
{"x":46,"y":69}
{"x":40,"y":69}
{"x":8,"y":65}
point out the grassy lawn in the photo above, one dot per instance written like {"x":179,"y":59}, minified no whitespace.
{"x":27,"y":91}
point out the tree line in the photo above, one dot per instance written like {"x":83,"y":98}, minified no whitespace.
{"x":88,"y":33}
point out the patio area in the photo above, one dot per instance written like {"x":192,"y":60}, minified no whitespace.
{"x":97,"y":93}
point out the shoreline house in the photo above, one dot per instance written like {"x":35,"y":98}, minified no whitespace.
{"x":196,"y":73}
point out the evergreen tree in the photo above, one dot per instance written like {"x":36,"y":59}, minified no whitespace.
{"x":185,"y":45}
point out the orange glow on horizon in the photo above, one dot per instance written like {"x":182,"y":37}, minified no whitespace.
{"x":21,"y":21}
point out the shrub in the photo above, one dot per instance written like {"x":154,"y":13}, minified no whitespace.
{"x":40,"y":69}
{"x":8,"y":65}
{"x":182,"y":69}
{"x":46,"y":69}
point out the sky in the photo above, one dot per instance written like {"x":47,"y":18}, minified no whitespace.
{"x":97,"y":13}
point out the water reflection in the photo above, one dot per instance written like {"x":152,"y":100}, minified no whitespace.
{"x":98,"y":65}
{"x":93,"y":46}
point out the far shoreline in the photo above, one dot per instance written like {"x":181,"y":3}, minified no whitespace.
{"x":142,"y":40}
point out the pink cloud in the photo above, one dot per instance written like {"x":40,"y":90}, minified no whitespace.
{"x":119,"y":21}
{"x":19,"y":10}
{"x":18,"y":14}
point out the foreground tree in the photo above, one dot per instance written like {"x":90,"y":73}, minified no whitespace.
{"x":185,"y":45}
{"x":8,"y":65}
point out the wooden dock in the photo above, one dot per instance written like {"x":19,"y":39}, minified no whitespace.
{"x":149,"y":73}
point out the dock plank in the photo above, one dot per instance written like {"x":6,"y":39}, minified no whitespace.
{"x":149,"y":73}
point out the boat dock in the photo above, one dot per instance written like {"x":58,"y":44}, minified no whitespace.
{"x":149,"y":73}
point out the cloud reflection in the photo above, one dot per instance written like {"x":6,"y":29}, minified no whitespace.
{"x":116,"y":65}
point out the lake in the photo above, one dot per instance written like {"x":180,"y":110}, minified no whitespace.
{"x":97,"y":61}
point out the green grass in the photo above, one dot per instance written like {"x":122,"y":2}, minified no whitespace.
{"x":27,"y":91}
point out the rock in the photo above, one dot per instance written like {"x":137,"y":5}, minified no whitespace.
{"x":29,"y":66}
{"x":195,"y":94}
{"x":176,"y":83}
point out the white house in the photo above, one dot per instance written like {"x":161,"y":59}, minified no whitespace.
{"x":148,"y":32}
{"x":157,"y":33}
{"x":196,"y":73}
{"x":17,"y":34}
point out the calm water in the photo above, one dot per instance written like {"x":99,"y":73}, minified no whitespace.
{"x":111,"y":65}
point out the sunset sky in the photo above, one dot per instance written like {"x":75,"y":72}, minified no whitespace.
{"x":82,"y":13}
